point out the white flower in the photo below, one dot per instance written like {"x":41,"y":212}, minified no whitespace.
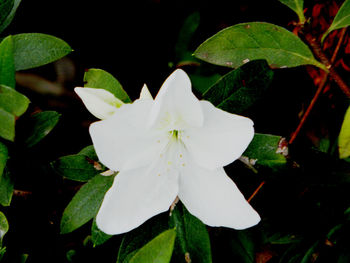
{"x":172,"y":146}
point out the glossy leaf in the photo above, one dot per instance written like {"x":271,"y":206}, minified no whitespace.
{"x":6,"y":188}
{"x":12,"y":101}
{"x":192,"y":238}
{"x":157,"y":250}
{"x":3,"y":157}
{"x":344,"y":136}
{"x":10,"y":16}
{"x":40,"y":125}
{"x":342,"y":19}
{"x":89,"y":151}
{"x":86,"y":203}
{"x":4,"y":227}
{"x":241,"y":88}
{"x":7,"y":127}
{"x":7,"y":64}
{"x":100,"y":79}
{"x":243,"y":246}
{"x":34,"y":49}
{"x":241,"y":43}
{"x":267,"y":150}
{"x":98,"y":237}
{"x":297,"y":6}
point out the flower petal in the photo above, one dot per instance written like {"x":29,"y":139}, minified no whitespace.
{"x":222,"y":139}
{"x":145,"y":94}
{"x":175,"y":106}
{"x":215,"y":199}
{"x":135,"y":196}
{"x":122,"y":141}
{"x":101,"y":103}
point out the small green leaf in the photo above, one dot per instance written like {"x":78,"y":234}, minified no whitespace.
{"x":7,"y":127}
{"x":342,"y":19}
{"x":192,"y":237}
{"x":6,"y":188}
{"x":5,"y":9}
{"x":34,"y":49}
{"x":86,"y":203}
{"x":241,"y":88}
{"x":89,"y":151}
{"x":309,"y":253}
{"x":12,"y":101}
{"x":241,"y":43}
{"x":243,"y":246}
{"x":267,"y":150}
{"x":40,"y":125}
{"x":3,"y":157}
{"x":10,"y":16}
{"x":4,"y":227}
{"x":77,"y":167}
{"x":158,"y":250}
{"x":98,"y":237}
{"x":100,"y":79}
{"x":344,"y":136}
{"x":297,"y":6}
{"x":7,"y":64}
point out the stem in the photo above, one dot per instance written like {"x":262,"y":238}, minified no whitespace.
{"x":323,"y":82}
{"x":256,"y":191}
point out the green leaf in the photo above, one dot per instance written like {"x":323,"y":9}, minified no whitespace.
{"x":86,"y":203}
{"x":77,"y":167}
{"x":344,"y":136}
{"x":239,"y":44}
{"x":267,"y":150}
{"x":10,"y":16}
{"x":241,"y":88}
{"x":137,"y":238}
{"x":342,"y":19}
{"x":243,"y":246}
{"x":34,"y":49}
{"x":89,"y":151}
{"x":4,"y":227}
{"x":98,"y":237}
{"x":6,"y":188}
{"x":7,"y":64}
{"x":5,"y":9}
{"x":40,"y":125}
{"x":158,"y":250}
{"x":12,"y":101}
{"x":309,"y":253}
{"x":3,"y":157}
{"x":7,"y":127}
{"x":297,"y":6}
{"x":100,"y":79}
{"x":192,"y":237}
{"x":202,"y":83}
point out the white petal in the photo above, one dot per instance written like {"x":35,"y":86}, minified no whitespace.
{"x":135,"y":196}
{"x":101,"y":103}
{"x":145,"y":94}
{"x":222,"y":139}
{"x":214,"y":198}
{"x":175,"y":106}
{"x":122,"y":141}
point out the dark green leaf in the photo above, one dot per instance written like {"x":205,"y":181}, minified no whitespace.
{"x":202,"y":83}
{"x":40,"y":125}
{"x":4,"y":227}
{"x":241,"y":88}
{"x":85,"y":204}
{"x":239,"y":44}
{"x":267,"y":150}
{"x":243,"y":246}
{"x":98,"y":237}
{"x":138,"y":237}
{"x":100,"y":79}
{"x":157,"y":250}
{"x":12,"y":101}
{"x":6,"y":188}
{"x":342,"y":19}
{"x":89,"y":151}
{"x":344,"y":136}
{"x":7,"y":64}
{"x":297,"y":6}
{"x":5,"y":9}
{"x":77,"y":167}
{"x":192,"y":238}
{"x":308,"y":255}
{"x":3,"y":157}
{"x":34,"y":49}
{"x":7,"y":127}
{"x":10,"y":16}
